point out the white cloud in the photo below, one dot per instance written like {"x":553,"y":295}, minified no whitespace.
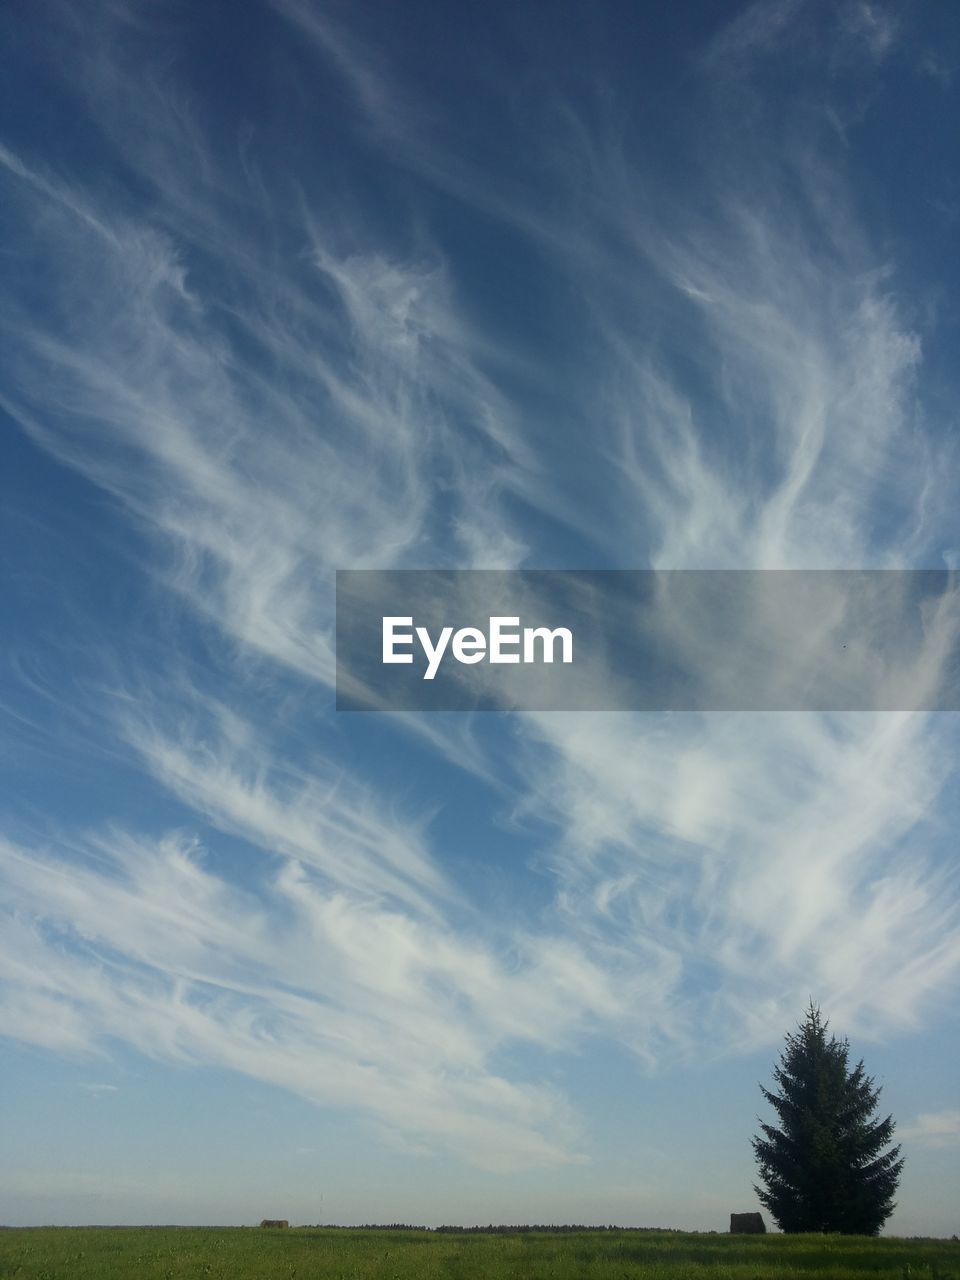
{"x":344,"y":1002}
{"x":261,"y":486}
{"x":874,"y":25}
{"x":932,"y":1129}
{"x":756,"y":28}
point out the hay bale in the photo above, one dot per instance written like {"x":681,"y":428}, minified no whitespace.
{"x":747,"y":1224}
{"x":275,"y":1222}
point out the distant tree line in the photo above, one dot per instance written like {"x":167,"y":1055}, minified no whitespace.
{"x":543,"y":1229}
{"x":548,"y":1228}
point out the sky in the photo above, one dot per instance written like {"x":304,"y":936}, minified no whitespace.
{"x":296,"y":286}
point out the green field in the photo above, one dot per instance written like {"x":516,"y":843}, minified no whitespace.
{"x":248,"y":1253}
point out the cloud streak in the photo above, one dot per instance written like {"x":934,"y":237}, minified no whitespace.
{"x":348,"y":1003}
{"x":932,"y":1129}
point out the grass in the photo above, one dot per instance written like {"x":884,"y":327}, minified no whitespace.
{"x":249,"y":1253}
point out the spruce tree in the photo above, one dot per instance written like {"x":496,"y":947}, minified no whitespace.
{"x":825,"y":1168}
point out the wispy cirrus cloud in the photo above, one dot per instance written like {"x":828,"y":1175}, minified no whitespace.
{"x":770,"y":855}
{"x":348,"y":1003}
{"x":371,"y":389}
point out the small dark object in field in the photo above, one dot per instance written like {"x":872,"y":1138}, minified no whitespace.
{"x":747,"y":1223}
{"x":282,"y":1222}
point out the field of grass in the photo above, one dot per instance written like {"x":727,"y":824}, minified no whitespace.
{"x":248,"y":1253}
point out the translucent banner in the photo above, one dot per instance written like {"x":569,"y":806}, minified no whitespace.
{"x":648,"y":640}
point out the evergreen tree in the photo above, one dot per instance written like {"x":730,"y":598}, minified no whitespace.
{"x":825,"y":1168}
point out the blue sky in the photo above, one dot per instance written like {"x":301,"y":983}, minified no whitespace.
{"x":293,"y":287}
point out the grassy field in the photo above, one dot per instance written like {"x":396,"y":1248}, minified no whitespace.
{"x":247,"y":1253}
